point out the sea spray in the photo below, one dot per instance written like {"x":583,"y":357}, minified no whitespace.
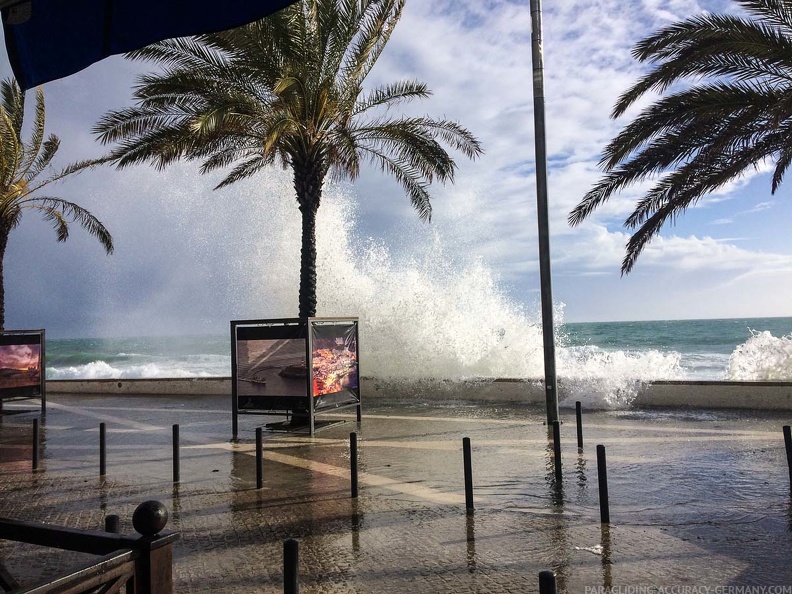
{"x":763,"y":357}
{"x":611,"y":379}
{"x":430,"y":316}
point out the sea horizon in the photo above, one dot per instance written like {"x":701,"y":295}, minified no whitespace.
{"x":694,"y":349}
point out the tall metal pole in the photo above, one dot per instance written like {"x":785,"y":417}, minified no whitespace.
{"x":551,"y":393}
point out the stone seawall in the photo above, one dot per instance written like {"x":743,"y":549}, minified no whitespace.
{"x":694,"y":394}
{"x":175,"y":387}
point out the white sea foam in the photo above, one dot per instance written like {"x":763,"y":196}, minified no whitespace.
{"x":763,"y":357}
{"x":203,"y":366}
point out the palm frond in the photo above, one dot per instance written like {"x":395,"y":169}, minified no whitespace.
{"x":734,"y":116}
{"x":380,"y":20}
{"x":390,"y":95}
{"x":243,"y":170}
{"x":61,"y":213}
{"x":10,"y":150}
{"x":34,"y":146}
{"x":711,"y":46}
{"x":48,"y":150}
{"x":13,"y":101}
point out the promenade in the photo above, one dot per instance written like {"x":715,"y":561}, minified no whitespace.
{"x":698,"y":499}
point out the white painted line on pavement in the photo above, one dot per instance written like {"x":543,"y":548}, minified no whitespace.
{"x":78,"y":410}
{"x":435,"y":419}
{"x":364,"y":478}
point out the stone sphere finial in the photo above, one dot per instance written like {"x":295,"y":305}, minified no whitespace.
{"x":150,"y":518}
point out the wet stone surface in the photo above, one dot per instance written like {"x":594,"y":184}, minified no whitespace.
{"x":697,"y":498}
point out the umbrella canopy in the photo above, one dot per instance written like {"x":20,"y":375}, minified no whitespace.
{"x":50,"y":39}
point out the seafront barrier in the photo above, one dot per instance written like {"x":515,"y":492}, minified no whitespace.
{"x":692,"y":394}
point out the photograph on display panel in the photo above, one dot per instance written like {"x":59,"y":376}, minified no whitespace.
{"x":21,"y":365}
{"x":271,"y":371}
{"x":334,"y":363}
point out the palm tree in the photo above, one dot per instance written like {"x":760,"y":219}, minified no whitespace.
{"x":289,"y":90}
{"x":698,"y":137}
{"x":20,"y":167}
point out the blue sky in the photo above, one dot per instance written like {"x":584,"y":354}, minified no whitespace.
{"x":189,"y":259}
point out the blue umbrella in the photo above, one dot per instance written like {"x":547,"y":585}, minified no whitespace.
{"x":50,"y":39}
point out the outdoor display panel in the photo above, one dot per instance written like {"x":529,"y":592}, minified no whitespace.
{"x":22,"y":365}
{"x":295,"y":367}
{"x":270,"y":371}
{"x":334,"y":364}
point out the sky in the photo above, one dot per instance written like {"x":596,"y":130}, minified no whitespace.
{"x":189,"y":259}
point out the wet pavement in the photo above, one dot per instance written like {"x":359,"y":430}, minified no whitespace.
{"x":698,"y":499}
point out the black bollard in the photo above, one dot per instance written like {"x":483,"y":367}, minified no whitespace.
{"x":112,"y":524}
{"x":353,"y":463}
{"x":602,"y":478}
{"x":35,"y":444}
{"x":102,"y":449}
{"x":579,"y":416}
{"x":291,"y":559}
{"x":468,"y":463}
{"x":176,"y":473}
{"x":359,"y":414}
{"x":259,"y":459}
{"x":788,"y":444}
{"x":547,"y":582}
{"x":557,"y":451}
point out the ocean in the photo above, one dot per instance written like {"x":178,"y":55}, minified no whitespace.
{"x":723,"y":349}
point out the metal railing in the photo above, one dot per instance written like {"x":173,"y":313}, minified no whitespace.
{"x":134,"y":565}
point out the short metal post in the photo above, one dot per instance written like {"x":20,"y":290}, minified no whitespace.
{"x":359,"y":413}
{"x":259,"y":459}
{"x":547,"y":582}
{"x":557,"y":451}
{"x":788,"y":444}
{"x":353,"y":463}
{"x":291,"y":559}
{"x":112,"y":524}
{"x":102,"y":449}
{"x":468,"y":464}
{"x":35,"y":444}
{"x":176,"y":472}
{"x":602,"y":478}
{"x":579,"y":416}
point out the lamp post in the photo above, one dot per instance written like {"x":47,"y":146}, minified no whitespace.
{"x":548,"y":338}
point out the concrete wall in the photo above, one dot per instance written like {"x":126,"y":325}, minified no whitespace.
{"x":753,"y":395}
{"x":176,"y":387}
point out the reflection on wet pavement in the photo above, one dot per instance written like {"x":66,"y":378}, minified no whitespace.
{"x":696,"y":498}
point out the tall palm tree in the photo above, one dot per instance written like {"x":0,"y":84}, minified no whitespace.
{"x":21,"y":166}
{"x":288,"y":89}
{"x":698,"y":137}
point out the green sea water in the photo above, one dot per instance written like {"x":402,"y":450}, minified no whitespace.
{"x":704,"y":349}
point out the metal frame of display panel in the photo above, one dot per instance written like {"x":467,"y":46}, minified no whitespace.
{"x":266,"y":358}
{"x":9,"y":374}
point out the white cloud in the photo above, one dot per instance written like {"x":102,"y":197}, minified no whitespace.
{"x":705,"y":253}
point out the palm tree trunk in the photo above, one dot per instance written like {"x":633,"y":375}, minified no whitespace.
{"x":4,"y":231}
{"x":308,"y":178}
{"x":308,"y":262}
